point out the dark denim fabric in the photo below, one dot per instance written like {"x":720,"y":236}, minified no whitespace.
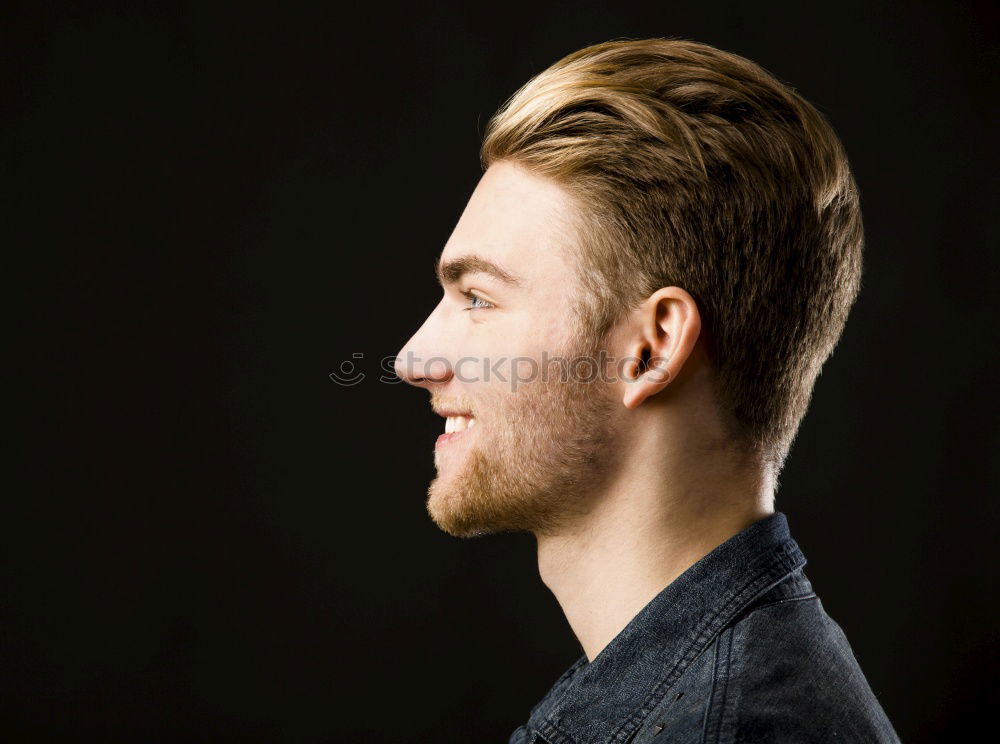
{"x":737,"y":649}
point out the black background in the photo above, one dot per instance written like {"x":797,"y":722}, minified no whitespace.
{"x":209,"y":208}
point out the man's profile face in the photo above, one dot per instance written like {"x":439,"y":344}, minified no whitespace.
{"x":526,"y":450}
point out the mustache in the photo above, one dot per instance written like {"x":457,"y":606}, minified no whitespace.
{"x":440,"y":403}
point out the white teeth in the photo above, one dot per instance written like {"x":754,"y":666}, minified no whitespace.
{"x":455,"y":424}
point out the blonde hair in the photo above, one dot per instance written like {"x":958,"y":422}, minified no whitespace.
{"x":694,"y":167}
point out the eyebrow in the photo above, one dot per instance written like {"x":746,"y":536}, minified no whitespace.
{"x":449,"y":272}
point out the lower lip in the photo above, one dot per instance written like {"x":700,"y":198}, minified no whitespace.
{"x":446,"y":439}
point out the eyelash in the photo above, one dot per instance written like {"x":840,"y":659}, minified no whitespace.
{"x":473,"y":297}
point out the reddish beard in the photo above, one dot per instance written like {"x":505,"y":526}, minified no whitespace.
{"x":538,"y":455}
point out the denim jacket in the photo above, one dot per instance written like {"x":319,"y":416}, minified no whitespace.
{"x":736,"y":649}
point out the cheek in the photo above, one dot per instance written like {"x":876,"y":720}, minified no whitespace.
{"x":525,"y":370}
{"x":508,"y":374}
{"x":540,"y":323}
{"x":506,"y":356}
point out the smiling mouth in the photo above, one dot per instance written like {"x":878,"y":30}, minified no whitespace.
{"x":455,"y":427}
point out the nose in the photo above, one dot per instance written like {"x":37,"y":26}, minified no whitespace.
{"x":422,"y":362}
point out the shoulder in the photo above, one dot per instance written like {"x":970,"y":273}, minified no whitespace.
{"x":790,"y":675}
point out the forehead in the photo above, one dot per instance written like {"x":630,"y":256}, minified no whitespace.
{"x":519,"y":220}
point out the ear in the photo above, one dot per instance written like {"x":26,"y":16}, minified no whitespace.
{"x":664,"y":331}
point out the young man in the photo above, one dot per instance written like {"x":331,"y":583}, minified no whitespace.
{"x":638,"y":299}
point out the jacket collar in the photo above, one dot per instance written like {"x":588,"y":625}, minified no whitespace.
{"x":658,"y":644}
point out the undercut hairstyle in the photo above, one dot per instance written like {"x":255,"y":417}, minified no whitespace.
{"x":694,"y":167}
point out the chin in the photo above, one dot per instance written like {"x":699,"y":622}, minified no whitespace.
{"x":449,"y":508}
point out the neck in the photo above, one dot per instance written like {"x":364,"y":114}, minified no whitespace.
{"x":644,"y":531}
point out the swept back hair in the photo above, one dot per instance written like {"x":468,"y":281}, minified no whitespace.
{"x":694,"y":167}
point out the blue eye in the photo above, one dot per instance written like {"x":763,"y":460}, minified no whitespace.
{"x":478,"y":303}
